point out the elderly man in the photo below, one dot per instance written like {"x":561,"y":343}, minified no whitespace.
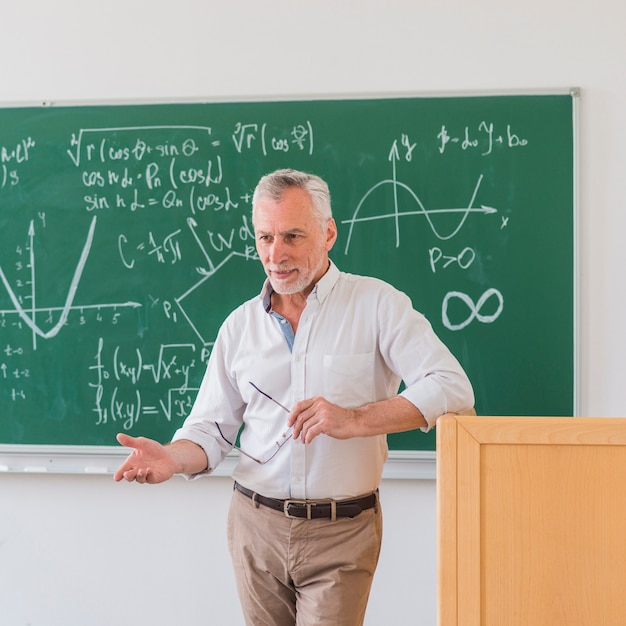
{"x":311,"y":369}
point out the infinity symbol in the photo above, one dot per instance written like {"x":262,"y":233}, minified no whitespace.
{"x":473,"y":308}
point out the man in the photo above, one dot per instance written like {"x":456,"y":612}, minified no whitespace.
{"x":311,"y":368}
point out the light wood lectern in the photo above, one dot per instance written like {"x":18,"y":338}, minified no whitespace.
{"x":531,"y":521}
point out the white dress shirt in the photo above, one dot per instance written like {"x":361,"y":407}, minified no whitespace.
{"x":357,"y":339}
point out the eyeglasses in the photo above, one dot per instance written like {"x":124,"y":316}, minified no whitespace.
{"x":284,"y":438}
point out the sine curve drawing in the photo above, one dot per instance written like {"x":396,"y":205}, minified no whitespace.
{"x":396,"y":214}
{"x":465,"y":211}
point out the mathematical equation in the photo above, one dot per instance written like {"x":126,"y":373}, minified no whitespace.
{"x":481,"y":139}
{"x":137,"y":169}
{"x":118,"y":391}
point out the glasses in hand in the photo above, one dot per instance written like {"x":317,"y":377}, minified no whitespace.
{"x":283,"y":439}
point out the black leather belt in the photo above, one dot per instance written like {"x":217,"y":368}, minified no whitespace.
{"x":313,"y":509}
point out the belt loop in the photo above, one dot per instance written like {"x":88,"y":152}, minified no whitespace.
{"x":256,"y":503}
{"x":376,"y":505}
{"x":333,"y":510}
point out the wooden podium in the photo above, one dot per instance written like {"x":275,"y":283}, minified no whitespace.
{"x":531,"y":521}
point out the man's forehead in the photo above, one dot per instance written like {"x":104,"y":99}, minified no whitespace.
{"x":279,"y":216}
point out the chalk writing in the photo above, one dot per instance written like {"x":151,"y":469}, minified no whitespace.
{"x":11,"y":157}
{"x":463,"y":259}
{"x":396,"y":214}
{"x":124,"y":245}
{"x":119,"y":395}
{"x":180,"y":168}
{"x":247,"y":135}
{"x":473,"y":308}
{"x":483,"y":138}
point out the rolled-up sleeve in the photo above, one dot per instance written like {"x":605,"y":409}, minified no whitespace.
{"x":435,"y":381}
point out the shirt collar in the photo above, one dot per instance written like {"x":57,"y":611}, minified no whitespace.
{"x":322,"y":288}
{"x":326,"y":283}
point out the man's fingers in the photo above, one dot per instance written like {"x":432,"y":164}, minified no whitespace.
{"x":128,"y":474}
{"x":126,"y":440}
{"x":126,"y":470}
{"x":139,"y":475}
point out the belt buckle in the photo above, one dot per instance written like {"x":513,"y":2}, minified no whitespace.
{"x":288,"y":503}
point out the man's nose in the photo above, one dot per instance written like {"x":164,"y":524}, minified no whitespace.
{"x":277,"y":250}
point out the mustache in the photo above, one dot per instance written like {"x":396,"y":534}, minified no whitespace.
{"x":279,"y":268}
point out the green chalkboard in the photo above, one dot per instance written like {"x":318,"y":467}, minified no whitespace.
{"x":126,"y":239}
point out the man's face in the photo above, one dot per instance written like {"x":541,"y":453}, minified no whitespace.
{"x":292,"y":245}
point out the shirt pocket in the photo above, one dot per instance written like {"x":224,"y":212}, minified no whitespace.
{"x":349,"y":378}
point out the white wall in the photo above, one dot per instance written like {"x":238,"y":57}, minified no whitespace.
{"x":82,"y":551}
{"x":85,"y":551}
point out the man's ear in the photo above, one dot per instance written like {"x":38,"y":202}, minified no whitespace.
{"x":331,"y":234}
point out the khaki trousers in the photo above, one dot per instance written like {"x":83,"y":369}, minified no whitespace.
{"x":302,"y":572}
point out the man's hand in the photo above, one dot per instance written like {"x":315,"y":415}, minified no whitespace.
{"x":151,"y":462}
{"x":315,"y":416}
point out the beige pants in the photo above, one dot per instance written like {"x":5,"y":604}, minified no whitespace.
{"x":302,"y":572}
